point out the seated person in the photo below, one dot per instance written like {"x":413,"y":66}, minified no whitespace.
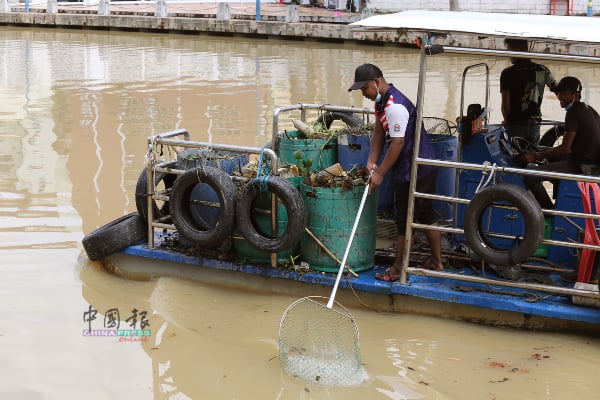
{"x":579,"y":152}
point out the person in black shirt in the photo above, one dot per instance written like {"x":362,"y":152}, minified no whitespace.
{"x":522,"y":88}
{"x":579,"y":152}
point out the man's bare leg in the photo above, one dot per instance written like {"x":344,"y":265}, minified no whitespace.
{"x":394,"y":271}
{"x":434,"y":238}
{"x":435,"y":243}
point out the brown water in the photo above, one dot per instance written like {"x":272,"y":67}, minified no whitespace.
{"x":76,"y":108}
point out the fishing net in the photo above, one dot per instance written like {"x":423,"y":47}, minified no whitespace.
{"x":320,"y":345}
{"x":439,"y":126}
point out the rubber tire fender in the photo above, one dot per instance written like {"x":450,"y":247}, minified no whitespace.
{"x":294,"y":205}
{"x":350,"y":119}
{"x":181,"y":212}
{"x":141,"y":190}
{"x":115,"y":236}
{"x":532,"y":215}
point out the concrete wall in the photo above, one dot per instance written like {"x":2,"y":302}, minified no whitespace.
{"x":510,"y":6}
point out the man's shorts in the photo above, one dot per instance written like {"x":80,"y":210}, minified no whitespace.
{"x":424,"y":213}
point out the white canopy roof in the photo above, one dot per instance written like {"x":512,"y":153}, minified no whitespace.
{"x":548,"y":27}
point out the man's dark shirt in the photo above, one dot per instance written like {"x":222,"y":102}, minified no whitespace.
{"x":525,"y":80}
{"x":585,"y":121}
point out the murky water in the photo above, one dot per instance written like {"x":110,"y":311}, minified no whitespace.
{"x":76,"y":108}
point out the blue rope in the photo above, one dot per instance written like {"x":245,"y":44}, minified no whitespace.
{"x":264,"y":183}
{"x":263,"y":166}
{"x":263,"y":171}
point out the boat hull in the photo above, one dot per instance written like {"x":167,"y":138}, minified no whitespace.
{"x":423,"y":295}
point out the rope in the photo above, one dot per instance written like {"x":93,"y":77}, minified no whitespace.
{"x":527,"y":296}
{"x":263,"y":167}
{"x":264,"y":183}
{"x":492,"y":172}
{"x":362,"y":303}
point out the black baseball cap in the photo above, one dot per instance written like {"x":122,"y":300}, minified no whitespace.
{"x":568,"y":83}
{"x":364,"y":74}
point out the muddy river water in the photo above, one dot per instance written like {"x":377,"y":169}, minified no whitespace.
{"x":76,"y":108}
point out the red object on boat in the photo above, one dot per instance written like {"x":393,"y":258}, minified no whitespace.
{"x":588,"y":256}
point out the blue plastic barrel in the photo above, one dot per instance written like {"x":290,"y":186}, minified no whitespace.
{"x":446,"y":149}
{"x":353,"y":150}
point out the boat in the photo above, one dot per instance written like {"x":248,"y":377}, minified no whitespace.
{"x":505,"y":272}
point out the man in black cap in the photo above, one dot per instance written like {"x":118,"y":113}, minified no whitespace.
{"x":522,"y":89}
{"x":396,"y":117}
{"x":579,"y":152}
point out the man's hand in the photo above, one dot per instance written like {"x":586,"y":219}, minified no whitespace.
{"x":371,"y":167}
{"x":374,"y":181}
{"x":530,"y":157}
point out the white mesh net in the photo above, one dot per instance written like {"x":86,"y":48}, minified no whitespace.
{"x":320,"y":345}
{"x":440,"y":126}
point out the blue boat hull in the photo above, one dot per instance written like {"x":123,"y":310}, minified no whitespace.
{"x":457,"y":299}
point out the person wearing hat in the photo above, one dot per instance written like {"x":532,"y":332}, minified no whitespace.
{"x":579,"y":152}
{"x":395,"y":117}
{"x":522,"y":89}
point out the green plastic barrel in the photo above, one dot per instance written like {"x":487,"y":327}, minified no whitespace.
{"x":542,"y":250}
{"x":322,"y":152}
{"x":330,"y":215}
{"x":245,"y":250}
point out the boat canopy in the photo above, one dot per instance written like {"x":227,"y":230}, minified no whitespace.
{"x":533,"y":27}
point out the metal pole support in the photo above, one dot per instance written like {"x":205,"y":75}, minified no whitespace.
{"x":4,"y":6}
{"x":223,"y":11}
{"x":51,"y":7}
{"x":291,"y":13}
{"x":160,"y":10}
{"x":104,"y":7}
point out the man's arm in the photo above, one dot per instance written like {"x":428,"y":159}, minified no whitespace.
{"x":554,"y":153}
{"x":397,"y":118}
{"x":550,"y":81}
{"x":377,"y":143}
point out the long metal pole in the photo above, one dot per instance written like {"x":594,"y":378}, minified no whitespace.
{"x":414,"y":166}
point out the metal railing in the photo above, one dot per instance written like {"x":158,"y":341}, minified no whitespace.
{"x":155,"y":164}
{"x":305,"y":111}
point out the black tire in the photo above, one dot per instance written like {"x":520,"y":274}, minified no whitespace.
{"x":141,"y":193}
{"x":294,"y":205}
{"x":350,"y":119}
{"x":550,"y":137}
{"x":115,"y":236}
{"x":183,"y":215}
{"x":532,"y":215}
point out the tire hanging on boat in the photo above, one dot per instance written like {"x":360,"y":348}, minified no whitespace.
{"x":181,"y":206}
{"x":141,"y":192}
{"x":294,"y":205}
{"x":115,"y":236}
{"x":350,"y":119}
{"x":526,"y":204}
